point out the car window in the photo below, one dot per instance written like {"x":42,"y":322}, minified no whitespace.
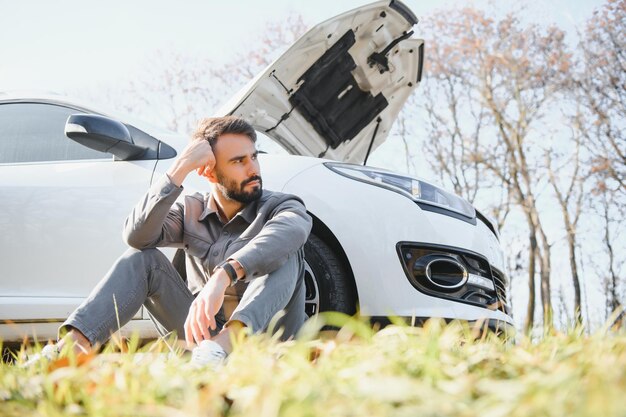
{"x":34,"y":132}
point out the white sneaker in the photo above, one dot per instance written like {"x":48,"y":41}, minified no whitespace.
{"x":208,"y":353}
{"x":48,"y":353}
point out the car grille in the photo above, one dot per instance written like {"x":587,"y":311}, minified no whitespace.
{"x":501,"y":291}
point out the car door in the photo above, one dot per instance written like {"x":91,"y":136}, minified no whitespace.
{"x":62,"y":206}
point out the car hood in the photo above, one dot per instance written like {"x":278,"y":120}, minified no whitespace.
{"x":336,"y":92}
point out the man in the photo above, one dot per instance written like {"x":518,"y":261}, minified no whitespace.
{"x":238,"y":234}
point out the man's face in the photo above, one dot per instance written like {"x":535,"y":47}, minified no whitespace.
{"x":237,"y":168}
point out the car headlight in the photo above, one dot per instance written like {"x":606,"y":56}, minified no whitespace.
{"x":417,"y":190}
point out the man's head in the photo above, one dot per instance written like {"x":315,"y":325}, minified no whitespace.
{"x":237,"y":174}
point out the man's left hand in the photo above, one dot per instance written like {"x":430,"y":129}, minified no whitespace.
{"x":202,"y":312}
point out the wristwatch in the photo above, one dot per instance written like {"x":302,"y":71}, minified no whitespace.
{"x":230,"y":271}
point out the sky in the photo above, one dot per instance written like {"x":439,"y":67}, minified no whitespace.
{"x":67,"y":44}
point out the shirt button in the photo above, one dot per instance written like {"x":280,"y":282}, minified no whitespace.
{"x":215,"y":253}
{"x":225,"y":233}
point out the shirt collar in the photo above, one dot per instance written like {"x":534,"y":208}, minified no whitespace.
{"x":248,"y":213}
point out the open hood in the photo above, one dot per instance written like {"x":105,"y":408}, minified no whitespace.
{"x":336,"y":92}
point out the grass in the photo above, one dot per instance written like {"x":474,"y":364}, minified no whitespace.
{"x":437,"y":370}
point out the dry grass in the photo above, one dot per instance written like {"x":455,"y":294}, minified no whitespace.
{"x":437,"y":370}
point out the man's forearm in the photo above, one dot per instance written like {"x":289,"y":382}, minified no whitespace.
{"x":178,"y":172}
{"x":282,"y":236}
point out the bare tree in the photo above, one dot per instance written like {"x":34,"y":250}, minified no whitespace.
{"x":616,"y":264}
{"x":448,"y":105}
{"x":569,"y":193}
{"x":496,"y":79}
{"x":402,"y":128}
{"x":602,"y":89}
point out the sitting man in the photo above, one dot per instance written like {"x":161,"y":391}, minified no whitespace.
{"x":236,"y":234}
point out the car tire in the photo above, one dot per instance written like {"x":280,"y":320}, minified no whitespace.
{"x":329,"y":285}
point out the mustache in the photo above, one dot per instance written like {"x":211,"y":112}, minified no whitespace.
{"x":251,"y":179}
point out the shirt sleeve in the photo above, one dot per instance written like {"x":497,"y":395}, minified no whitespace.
{"x":157,"y":219}
{"x":286,"y":231}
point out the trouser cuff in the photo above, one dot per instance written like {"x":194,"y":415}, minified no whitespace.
{"x":249,"y":323}
{"x":78,"y":325}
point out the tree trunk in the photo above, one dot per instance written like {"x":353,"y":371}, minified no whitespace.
{"x":546,"y":302}
{"x":571,"y":243}
{"x":543,"y":254}
{"x":564,"y":197}
{"x":613,"y":299}
{"x":530,"y":308}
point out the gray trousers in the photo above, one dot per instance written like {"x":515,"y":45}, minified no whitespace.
{"x":146,"y":277}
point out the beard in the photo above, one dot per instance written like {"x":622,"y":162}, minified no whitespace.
{"x":233,"y":191}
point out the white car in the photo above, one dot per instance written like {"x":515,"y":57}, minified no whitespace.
{"x":383,"y":243}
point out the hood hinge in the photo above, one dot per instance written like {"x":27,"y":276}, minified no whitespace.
{"x":380,"y":58}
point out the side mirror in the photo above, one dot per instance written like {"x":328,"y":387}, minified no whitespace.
{"x":103,"y":134}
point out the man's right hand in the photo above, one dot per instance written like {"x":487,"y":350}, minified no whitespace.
{"x":201,"y":316}
{"x":198,"y":156}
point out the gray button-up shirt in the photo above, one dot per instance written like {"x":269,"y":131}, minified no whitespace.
{"x":260,"y":237}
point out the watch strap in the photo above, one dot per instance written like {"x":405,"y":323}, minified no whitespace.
{"x":230,"y":271}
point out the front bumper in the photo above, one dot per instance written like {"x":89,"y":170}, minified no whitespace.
{"x":499,"y":327}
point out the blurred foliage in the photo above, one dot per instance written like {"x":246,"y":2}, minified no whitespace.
{"x":435,"y":370}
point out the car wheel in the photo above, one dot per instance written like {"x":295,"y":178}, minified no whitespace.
{"x":328,"y":283}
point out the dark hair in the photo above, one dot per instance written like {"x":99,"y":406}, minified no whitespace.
{"x":211,"y":128}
